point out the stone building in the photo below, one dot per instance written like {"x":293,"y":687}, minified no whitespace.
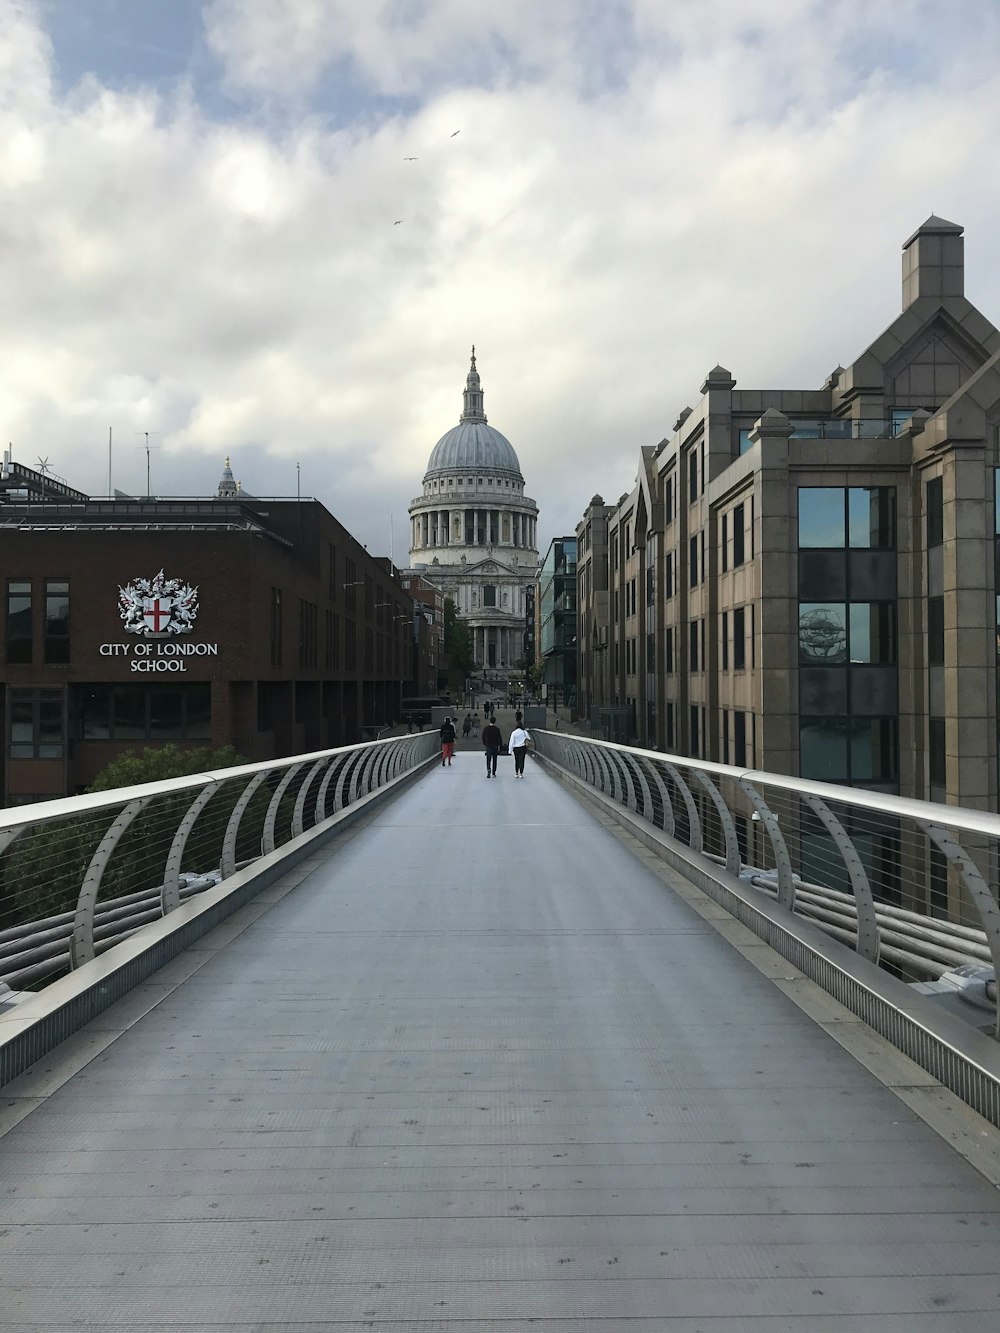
{"x":803,"y":580}
{"x":473,"y":532}
{"x":557,"y":621}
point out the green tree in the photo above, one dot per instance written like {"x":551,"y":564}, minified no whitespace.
{"x":457,"y":639}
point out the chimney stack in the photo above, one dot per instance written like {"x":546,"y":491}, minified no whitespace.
{"x":934,"y":261}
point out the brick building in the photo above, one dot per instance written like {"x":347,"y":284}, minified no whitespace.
{"x":231,"y":620}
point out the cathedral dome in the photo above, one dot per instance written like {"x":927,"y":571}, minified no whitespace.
{"x":473,"y":444}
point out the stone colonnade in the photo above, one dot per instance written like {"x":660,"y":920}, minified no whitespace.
{"x":505,"y":641}
{"x":472,"y":527}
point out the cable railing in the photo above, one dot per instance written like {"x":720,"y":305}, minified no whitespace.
{"x":911,"y":886}
{"x":82,"y":874}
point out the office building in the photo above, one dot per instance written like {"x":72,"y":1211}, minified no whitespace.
{"x":804,"y":580}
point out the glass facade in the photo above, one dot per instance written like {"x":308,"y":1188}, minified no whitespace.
{"x":56,"y":621}
{"x":19,"y":621}
{"x":141,"y":712}
{"x":35,"y":727}
{"x":835,"y":517}
{"x":849,"y":750}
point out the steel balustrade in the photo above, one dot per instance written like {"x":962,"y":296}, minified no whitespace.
{"x":40,"y":948}
{"x":907,"y":921}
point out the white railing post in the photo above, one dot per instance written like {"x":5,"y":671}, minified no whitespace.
{"x":170,"y":893}
{"x":81,"y":949}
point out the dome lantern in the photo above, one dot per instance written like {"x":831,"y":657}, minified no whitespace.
{"x":473,"y":396}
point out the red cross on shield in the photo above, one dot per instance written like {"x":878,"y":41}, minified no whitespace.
{"x":156,"y":613}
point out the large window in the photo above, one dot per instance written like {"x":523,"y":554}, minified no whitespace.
{"x":489,"y":594}
{"x":937,"y":759}
{"x":849,"y":750}
{"x":276,"y":627}
{"x":142,"y":712}
{"x":832,"y":633}
{"x":739,"y":536}
{"x":935,"y":512}
{"x":739,"y":639}
{"x":35,"y":729}
{"x":56,"y":621}
{"x":740,"y":739}
{"x":308,"y":633}
{"x":861,"y":517}
{"x":19,"y":620}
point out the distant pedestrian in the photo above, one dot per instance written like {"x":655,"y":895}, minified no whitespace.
{"x":447,"y":741}
{"x":467,"y":726}
{"x":492,"y":740}
{"x":475,"y":726}
{"x":518,"y":746}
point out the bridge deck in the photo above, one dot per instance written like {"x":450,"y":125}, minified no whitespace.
{"x":482,"y":1070}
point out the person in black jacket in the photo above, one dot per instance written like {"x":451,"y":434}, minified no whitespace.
{"x":492,"y":741}
{"x":447,"y":741}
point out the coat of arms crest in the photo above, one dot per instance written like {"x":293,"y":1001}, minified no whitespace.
{"x":158,"y":606}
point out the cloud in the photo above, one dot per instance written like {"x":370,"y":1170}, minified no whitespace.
{"x":638,"y":192}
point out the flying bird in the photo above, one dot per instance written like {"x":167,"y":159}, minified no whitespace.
{"x":397,"y":222}
{"x":411,"y":159}
{"x":451,"y":136}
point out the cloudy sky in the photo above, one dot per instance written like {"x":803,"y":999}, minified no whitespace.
{"x":197,"y":200}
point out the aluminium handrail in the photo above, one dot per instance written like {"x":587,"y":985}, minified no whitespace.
{"x":45,"y":811}
{"x":34,"y":950}
{"x":871,"y":934}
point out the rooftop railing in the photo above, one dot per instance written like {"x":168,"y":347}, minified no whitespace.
{"x":848,"y":428}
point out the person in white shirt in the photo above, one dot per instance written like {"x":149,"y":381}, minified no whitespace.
{"x":517,"y":746}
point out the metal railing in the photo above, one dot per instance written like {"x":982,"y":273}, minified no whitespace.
{"x":81,"y":874}
{"x":910,"y":885}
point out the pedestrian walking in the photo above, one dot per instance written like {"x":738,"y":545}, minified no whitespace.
{"x":447,"y":741}
{"x":466,"y":726}
{"x":518,"y":746}
{"x":475,"y":726}
{"x":492,"y":741}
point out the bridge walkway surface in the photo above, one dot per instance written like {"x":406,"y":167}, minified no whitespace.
{"x":480,"y":1065}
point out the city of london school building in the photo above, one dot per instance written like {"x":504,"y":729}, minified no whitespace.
{"x":296,"y":639}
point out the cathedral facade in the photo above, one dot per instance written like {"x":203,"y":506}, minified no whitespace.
{"x":473,"y":532}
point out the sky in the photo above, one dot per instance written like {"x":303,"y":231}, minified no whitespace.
{"x":198,"y":239}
